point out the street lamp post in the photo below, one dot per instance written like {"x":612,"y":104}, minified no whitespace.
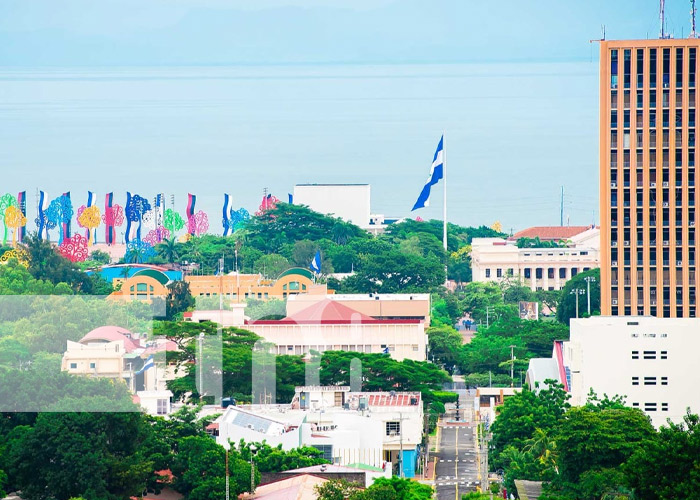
{"x":200,"y":365}
{"x":589,"y":280}
{"x":227,"y":447}
{"x":253,"y":449}
{"x":576,"y":292}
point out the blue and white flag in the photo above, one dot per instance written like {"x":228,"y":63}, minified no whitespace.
{"x":42,"y":218}
{"x":436,"y":173}
{"x":226,"y":214}
{"x":148,"y":364}
{"x":316,"y":263}
{"x":385,"y":350}
{"x":92,"y":200}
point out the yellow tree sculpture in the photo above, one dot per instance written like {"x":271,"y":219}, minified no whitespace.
{"x":14,"y":219}
{"x":89,"y":218}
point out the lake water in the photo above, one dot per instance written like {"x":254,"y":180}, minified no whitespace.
{"x":515,"y":133}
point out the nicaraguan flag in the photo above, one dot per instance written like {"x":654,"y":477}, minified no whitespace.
{"x":436,"y":173}
{"x":148,"y":364}
{"x":316,"y":263}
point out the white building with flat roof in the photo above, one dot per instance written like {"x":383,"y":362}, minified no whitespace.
{"x":373,"y":428}
{"x":494,"y":259}
{"x":648,"y":360}
{"x":350,"y":202}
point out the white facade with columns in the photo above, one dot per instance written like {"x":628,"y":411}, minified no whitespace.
{"x":494,"y":259}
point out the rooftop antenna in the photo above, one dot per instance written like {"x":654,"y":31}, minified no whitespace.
{"x":662,"y":33}
{"x":692,"y":19}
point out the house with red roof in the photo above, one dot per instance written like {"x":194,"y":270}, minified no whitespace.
{"x":541,"y":257}
{"x":117,"y":353}
{"x":328,"y":325}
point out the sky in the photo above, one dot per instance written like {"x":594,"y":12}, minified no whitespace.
{"x":214,"y":96}
{"x":200,"y":32}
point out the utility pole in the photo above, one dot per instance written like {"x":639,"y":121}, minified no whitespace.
{"x":489,"y":310}
{"x":561,"y":208}
{"x":483,"y":456}
{"x":589,"y":280}
{"x":401,"y":474}
{"x":512,"y":363}
{"x":576,"y":292}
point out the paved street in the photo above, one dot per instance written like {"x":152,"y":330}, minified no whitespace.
{"x":456,"y":467}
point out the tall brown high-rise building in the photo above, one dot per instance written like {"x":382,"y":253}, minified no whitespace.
{"x":648,"y":193}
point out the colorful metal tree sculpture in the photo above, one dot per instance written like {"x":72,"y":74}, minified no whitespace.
{"x":74,"y":248}
{"x":89,"y":218}
{"x":14,"y":219}
{"x":60,"y":213}
{"x":139,"y":252}
{"x":198,"y":224}
{"x":157,"y":235}
{"x":8,"y":200}
{"x":136,"y":207}
{"x":16,"y":253}
{"x":238,"y":219}
{"x":268,"y":203}
{"x":173,"y":221}
{"x":113,"y":217}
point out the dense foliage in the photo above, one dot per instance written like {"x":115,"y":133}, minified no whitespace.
{"x":394,"y":488}
{"x":567,"y":303}
{"x":600,"y":450}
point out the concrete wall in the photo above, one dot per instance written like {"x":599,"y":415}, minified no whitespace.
{"x":605,"y":353}
{"x":350,"y":202}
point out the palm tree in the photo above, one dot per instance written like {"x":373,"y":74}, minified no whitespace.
{"x":341,"y":233}
{"x":169,"y":250}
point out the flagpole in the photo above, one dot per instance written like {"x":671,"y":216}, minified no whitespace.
{"x":444,"y":193}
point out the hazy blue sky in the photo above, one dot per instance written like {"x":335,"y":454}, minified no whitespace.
{"x":132,"y":32}
{"x":121,"y":94}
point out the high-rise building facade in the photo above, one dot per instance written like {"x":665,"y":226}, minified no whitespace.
{"x":648,"y":193}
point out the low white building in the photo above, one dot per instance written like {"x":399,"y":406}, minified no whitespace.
{"x":494,"y":259}
{"x":350,"y":202}
{"x":648,"y":360}
{"x":372,"y":428}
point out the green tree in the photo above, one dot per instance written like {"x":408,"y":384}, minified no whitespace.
{"x":95,"y":456}
{"x":395,"y":272}
{"x":275,"y":459}
{"x":668,"y":466}
{"x":46,"y":264}
{"x":200,"y":470}
{"x":100,"y":257}
{"x":567,"y":302}
{"x":593,"y":443}
{"x":522,"y":415}
{"x":271,"y":265}
{"x":382,"y":373}
{"x":169,"y":249}
{"x":336,"y":489}
{"x":179,"y":299}
{"x":285,"y":223}
{"x":444,"y":345}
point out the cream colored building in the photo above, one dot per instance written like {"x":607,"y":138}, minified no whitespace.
{"x":494,"y":259}
{"x":115,"y":352}
{"x":330,"y":325}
